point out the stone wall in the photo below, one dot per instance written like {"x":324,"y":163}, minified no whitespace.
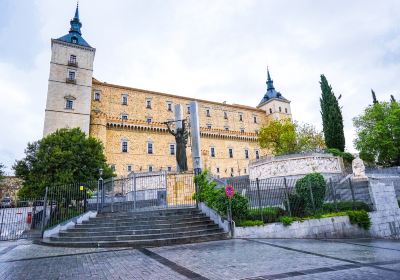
{"x":295,"y":166}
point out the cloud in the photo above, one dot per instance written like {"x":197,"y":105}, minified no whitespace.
{"x":217,"y":50}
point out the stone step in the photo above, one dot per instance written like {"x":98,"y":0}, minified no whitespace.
{"x":139,"y":243}
{"x":164,"y":212}
{"x":128,"y":219}
{"x":136,"y":237}
{"x":154,"y":221}
{"x":70,"y":233}
{"x":85,"y":227}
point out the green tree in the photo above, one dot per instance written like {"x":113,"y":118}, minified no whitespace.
{"x":283,"y":137}
{"x":2,"y":173}
{"x":332,"y":119}
{"x":61,"y":158}
{"x":378,"y":133}
{"x":279,"y":137}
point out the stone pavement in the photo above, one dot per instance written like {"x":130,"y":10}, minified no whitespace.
{"x":228,"y":259}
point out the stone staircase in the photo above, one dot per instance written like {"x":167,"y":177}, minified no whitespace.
{"x":140,"y":229}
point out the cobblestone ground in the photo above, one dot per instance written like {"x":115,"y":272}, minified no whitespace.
{"x":229,"y":259}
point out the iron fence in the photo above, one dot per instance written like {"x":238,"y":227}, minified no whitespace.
{"x":278,"y":196}
{"x":145,"y":191}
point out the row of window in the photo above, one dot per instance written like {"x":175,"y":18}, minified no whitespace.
{"x":232,"y":171}
{"x":150,"y":150}
{"x":280,"y":110}
{"x":148,"y":104}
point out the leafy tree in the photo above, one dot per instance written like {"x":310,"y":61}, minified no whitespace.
{"x":311,"y":189}
{"x":2,"y":173}
{"x":279,"y":137}
{"x":287,"y":137}
{"x":61,"y":158}
{"x":378,"y":133}
{"x":332,"y":119}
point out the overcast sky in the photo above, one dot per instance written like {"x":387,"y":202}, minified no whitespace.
{"x":216,"y":50}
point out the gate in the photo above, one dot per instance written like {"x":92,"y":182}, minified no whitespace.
{"x":147,"y":191}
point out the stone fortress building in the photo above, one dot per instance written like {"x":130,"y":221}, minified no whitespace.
{"x":130,"y":121}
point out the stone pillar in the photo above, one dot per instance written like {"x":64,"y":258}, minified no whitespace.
{"x":195,"y":134}
{"x":383,"y":195}
{"x":178,"y":115}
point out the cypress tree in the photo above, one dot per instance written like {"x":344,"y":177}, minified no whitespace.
{"x":374,"y":100}
{"x":392,"y":98}
{"x":332,"y":120}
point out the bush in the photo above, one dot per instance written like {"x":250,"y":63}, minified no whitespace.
{"x":344,"y":206}
{"x":249,"y":223}
{"x":269,"y":214}
{"x":361,"y":218}
{"x":216,"y":199}
{"x":347,"y":157}
{"x":287,"y":221}
{"x":317,"y":183}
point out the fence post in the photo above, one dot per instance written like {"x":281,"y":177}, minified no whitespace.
{"x":134,"y":191}
{"x":287,"y":196}
{"x":44,"y":213}
{"x":259,"y":198}
{"x":311,"y":195}
{"x":113,"y":194}
{"x":352,"y":192}
{"x":2,"y":219}
{"x":333,"y":190}
{"x":230,"y":218}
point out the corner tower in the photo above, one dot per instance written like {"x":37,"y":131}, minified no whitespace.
{"x":274,"y":104}
{"x":70,"y":81}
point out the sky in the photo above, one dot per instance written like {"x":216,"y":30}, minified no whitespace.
{"x":210,"y":49}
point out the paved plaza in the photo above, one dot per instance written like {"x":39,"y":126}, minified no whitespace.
{"x":228,"y":259}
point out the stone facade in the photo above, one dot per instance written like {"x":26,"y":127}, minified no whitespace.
{"x":130,"y":121}
{"x":295,"y":166}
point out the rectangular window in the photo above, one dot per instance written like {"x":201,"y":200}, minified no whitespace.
{"x":124,"y":146}
{"x":270,"y":110}
{"x":112,"y":167}
{"x":230,"y":152}
{"x":226,"y":128}
{"x":69,"y":104}
{"x":225,"y":115}
{"x":96,"y":96}
{"x":71,"y":75}
{"x":217,"y":169}
{"x":286,"y":110}
{"x":257,"y":155}
{"x":169,"y":107}
{"x":246,"y":154}
{"x":129,"y":168}
{"x":124,"y":99}
{"x":172,"y":149}
{"x":242,"y":130}
{"x":72,"y":60}
{"x":149,"y":120}
{"x":255,"y":119}
{"x":150,"y":148}
{"x":169,"y":168}
{"x":124,"y":116}
{"x":240,"y":117}
{"x":148,"y":104}
{"x":208,"y":113}
{"x":212,"y":151}
{"x":209,"y":126}
{"x":150,"y":168}
{"x":188,"y":110}
{"x":245,"y":171}
{"x":280,"y":109}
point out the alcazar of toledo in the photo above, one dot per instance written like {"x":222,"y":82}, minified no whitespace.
{"x":130,"y":121}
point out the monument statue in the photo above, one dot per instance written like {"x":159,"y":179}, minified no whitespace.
{"x":358,"y":168}
{"x":181,"y":137}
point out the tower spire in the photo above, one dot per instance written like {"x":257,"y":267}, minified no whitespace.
{"x":75,"y":22}
{"x":77,"y":11}
{"x":270,"y":82}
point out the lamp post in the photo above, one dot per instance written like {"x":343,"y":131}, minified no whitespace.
{"x":100,"y":190}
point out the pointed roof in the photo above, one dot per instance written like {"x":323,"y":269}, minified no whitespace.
{"x":271,"y":92}
{"x":75,"y":35}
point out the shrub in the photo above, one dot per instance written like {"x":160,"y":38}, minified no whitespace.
{"x":317,"y":184}
{"x":269,"y":214}
{"x":361,"y":218}
{"x":344,"y":206}
{"x":249,"y":223}
{"x":286,"y":220}
{"x":216,"y":199}
{"x":347,"y":157}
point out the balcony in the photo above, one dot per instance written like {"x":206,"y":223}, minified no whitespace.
{"x":72,"y":63}
{"x":70,"y":81}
